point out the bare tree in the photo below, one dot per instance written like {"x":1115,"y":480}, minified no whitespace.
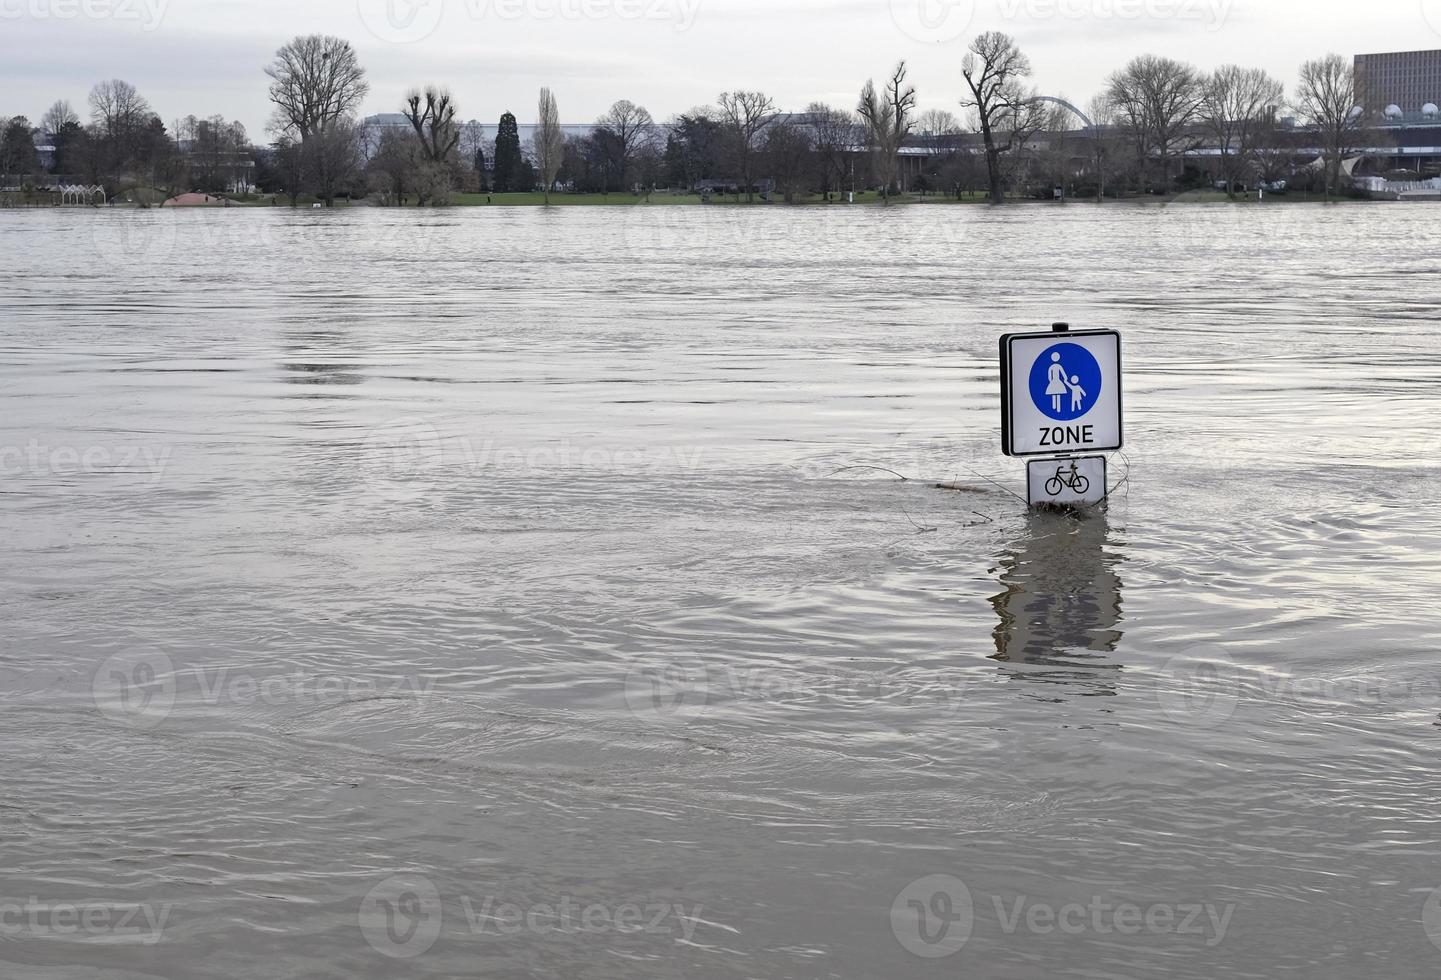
{"x":835,"y":137}
{"x":1048,"y":153}
{"x":876,"y":115}
{"x":438,"y":136}
{"x":1103,"y":117}
{"x":1158,"y":100}
{"x":289,"y":161}
{"x":548,"y":142}
{"x":1239,"y":110}
{"x":472,"y":147}
{"x":57,"y":117}
{"x":167,"y":169}
{"x":217,"y":151}
{"x":888,"y":119}
{"x":790,"y":154}
{"x":937,"y":130}
{"x":61,"y":124}
{"x":953,"y":165}
{"x":961,"y":171}
{"x":1276,"y":157}
{"x":938,"y":122}
{"x":116,"y":105}
{"x":394,"y":167}
{"x":119,"y":116}
{"x":332,"y":157}
{"x":744,"y":115}
{"x":993,"y":69}
{"x":434,"y":123}
{"x":1329,"y":97}
{"x":628,"y":129}
{"x":315,"y":80}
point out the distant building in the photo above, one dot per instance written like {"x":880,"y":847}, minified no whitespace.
{"x":1404,"y":80}
{"x":230,"y":169}
{"x":398,"y":120}
{"x":45,"y":149}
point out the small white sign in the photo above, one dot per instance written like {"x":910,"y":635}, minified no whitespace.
{"x":1061,"y":393}
{"x":1079,"y":480}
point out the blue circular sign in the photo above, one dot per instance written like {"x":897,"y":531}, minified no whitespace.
{"x":1065,"y":382}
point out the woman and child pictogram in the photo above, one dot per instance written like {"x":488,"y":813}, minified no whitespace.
{"x":1059,"y":385}
{"x":1065,"y":381}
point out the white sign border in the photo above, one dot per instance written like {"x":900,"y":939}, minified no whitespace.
{"x":1062,"y":460}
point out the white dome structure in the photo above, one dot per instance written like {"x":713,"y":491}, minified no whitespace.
{"x":1393,"y":111}
{"x":1430,"y":111}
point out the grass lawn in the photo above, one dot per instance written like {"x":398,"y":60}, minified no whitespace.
{"x":669,"y":198}
{"x":979,"y":197}
{"x":304,"y":201}
{"x":20,"y":199}
{"x":568,"y":200}
{"x":134,"y":196}
{"x":1209,"y":196}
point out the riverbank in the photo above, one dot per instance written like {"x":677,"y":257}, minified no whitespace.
{"x":673,"y":199}
{"x":870,"y":199}
{"x":18,"y":199}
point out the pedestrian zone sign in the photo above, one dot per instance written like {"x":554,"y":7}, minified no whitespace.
{"x":1061,"y":393}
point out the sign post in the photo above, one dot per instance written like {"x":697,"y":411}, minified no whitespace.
{"x":1061,"y":396}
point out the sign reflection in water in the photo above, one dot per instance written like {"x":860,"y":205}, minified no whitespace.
{"x":1061,"y":608}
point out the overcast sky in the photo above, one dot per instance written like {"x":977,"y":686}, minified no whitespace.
{"x":206,"y":56}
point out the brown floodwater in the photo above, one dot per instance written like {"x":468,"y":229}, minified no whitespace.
{"x":534,"y":593}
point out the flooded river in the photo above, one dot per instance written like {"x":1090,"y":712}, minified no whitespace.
{"x":537,"y":593}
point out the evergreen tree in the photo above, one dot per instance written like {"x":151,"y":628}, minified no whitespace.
{"x":17,"y":149}
{"x":508,"y":161}
{"x":526,"y":178}
{"x":69,"y":148}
